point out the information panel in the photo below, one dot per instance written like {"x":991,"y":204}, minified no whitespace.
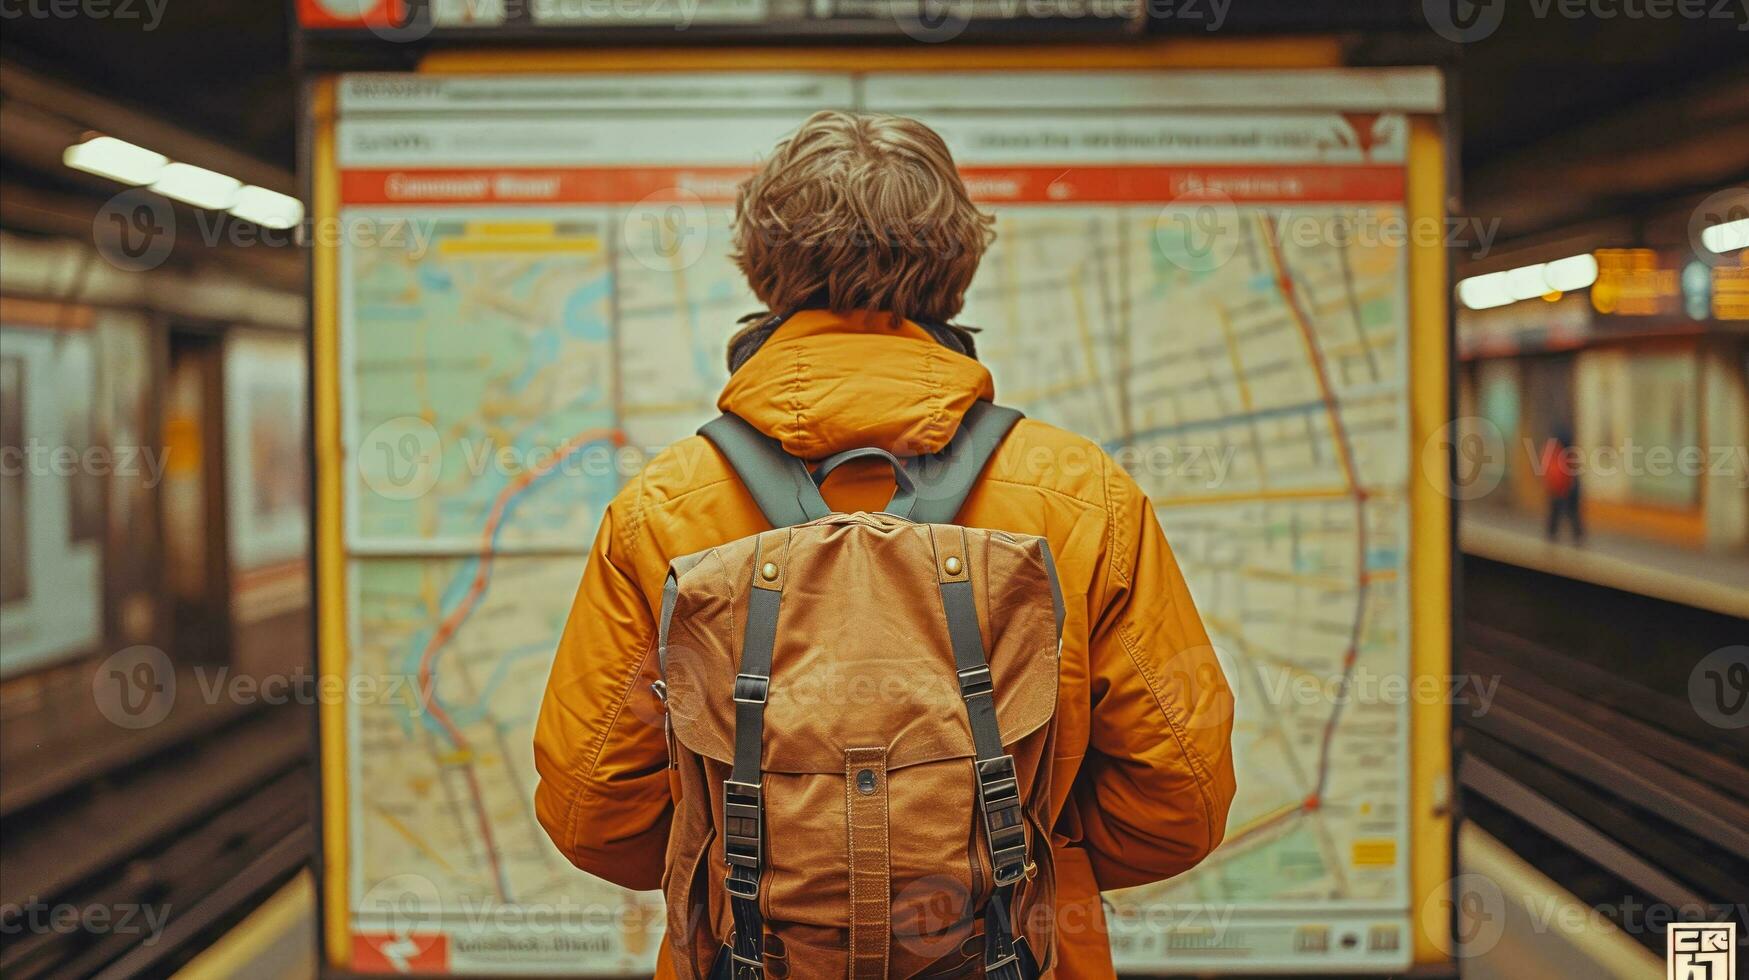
{"x":1206,"y":272}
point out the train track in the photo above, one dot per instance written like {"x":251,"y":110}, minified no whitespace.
{"x":126,"y":862}
{"x":1591,"y":761}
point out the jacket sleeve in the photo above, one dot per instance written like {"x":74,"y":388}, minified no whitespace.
{"x":603,"y":794}
{"x":1154,"y":790}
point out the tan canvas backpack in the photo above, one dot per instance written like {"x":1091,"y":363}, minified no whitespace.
{"x":860,"y":722}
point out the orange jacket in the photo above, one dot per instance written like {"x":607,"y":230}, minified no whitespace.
{"x":1143,"y":772}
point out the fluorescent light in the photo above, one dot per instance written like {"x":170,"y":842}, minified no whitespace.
{"x":1526,"y":282}
{"x":269,"y":209}
{"x":1484,"y":292}
{"x":1726,"y":237}
{"x":116,"y":159}
{"x":197,"y":186}
{"x":1568,"y":274}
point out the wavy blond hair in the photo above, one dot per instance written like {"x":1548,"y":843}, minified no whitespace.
{"x":860,"y":212}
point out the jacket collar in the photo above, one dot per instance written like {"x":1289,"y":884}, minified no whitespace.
{"x":826,"y":382}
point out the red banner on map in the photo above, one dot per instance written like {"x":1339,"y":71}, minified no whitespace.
{"x":387,"y":953}
{"x":1320,"y":184}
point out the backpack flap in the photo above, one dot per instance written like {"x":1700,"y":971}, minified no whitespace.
{"x":865,"y":659}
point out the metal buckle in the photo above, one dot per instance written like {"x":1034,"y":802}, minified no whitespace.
{"x":741,"y":887}
{"x":743,"y":815}
{"x":1007,"y":955}
{"x":751,"y":688}
{"x":1004,"y":822}
{"x":742,"y":967}
{"x":975,"y":681}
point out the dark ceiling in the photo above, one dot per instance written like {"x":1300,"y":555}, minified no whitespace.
{"x":1535,"y":97}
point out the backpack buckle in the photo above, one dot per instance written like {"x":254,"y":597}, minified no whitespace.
{"x":751,"y":688}
{"x":1002,"y":962}
{"x":741,"y":966}
{"x":975,"y":681}
{"x":738,"y":887}
{"x":743,"y":815}
{"x":1004,"y":822}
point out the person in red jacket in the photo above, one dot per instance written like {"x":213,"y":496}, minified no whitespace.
{"x":1561,"y":481}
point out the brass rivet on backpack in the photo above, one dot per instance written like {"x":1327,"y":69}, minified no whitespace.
{"x":952,"y":565}
{"x":769,"y":570}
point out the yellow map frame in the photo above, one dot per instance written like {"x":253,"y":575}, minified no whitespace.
{"x":1430,"y":510}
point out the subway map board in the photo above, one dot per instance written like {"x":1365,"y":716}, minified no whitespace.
{"x":1208,"y":274}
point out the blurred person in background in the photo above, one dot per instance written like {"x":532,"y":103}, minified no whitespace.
{"x":1561,"y":483}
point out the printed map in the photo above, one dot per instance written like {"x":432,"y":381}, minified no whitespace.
{"x":504,"y":367}
{"x":479,"y":366}
{"x":1262,"y":409}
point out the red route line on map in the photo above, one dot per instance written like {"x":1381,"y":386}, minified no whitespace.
{"x":1284,"y":282}
{"x":446,"y":631}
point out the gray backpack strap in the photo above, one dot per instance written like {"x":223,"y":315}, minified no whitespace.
{"x":787,"y":494}
{"x":779,"y":482}
{"x":945,"y":479}
{"x":904,"y":493}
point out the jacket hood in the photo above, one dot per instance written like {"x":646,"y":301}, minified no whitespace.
{"x":826,"y":382}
